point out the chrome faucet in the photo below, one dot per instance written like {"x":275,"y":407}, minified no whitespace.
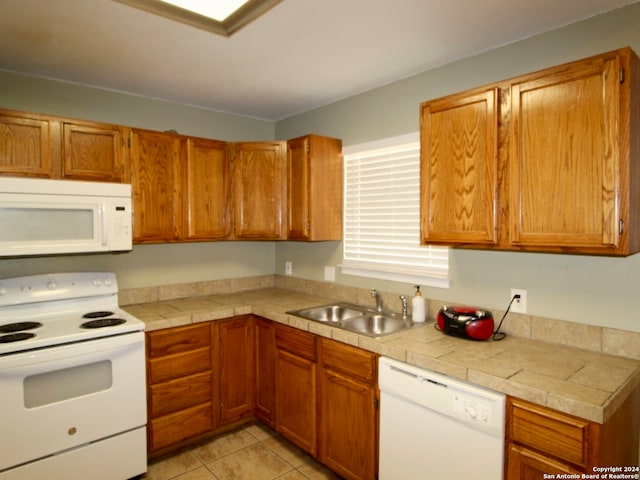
{"x":376,"y":295}
{"x":405,"y":313}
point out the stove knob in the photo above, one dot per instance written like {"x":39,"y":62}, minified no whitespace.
{"x":97,"y":282}
{"x":3,"y":290}
{"x":52,"y":285}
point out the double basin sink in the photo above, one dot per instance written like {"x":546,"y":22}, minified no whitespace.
{"x":355,"y":318}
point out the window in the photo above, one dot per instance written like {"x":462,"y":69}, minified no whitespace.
{"x":382,"y":215}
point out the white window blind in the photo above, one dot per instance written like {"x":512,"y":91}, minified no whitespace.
{"x":382,"y":215}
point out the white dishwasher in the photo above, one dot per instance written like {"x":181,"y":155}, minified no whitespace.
{"x":436,"y":427}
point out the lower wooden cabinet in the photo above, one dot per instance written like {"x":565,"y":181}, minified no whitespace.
{"x":181,"y":397}
{"x":236,"y":368}
{"x":296,"y":387}
{"x":347,"y":410}
{"x":265,"y":371}
{"x":541,"y":440}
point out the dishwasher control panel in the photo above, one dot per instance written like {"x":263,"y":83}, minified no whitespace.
{"x":472,"y":409}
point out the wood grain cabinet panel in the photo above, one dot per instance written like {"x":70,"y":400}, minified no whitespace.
{"x":94,"y":152}
{"x":155,"y":183}
{"x":237,"y":368}
{"x":459,"y":168}
{"x":25,"y":145}
{"x":314,"y":183}
{"x":266,"y":371}
{"x":207,"y":190}
{"x":260,"y":190}
{"x":296,"y":387}
{"x":348,"y":410}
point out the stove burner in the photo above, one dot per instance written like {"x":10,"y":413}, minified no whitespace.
{"x":19,"y":326}
{"x":98,"y":314}
{"x":103,"y":322}
{"x":16,"y":337}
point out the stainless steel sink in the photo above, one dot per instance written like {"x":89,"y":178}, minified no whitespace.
{"x":355,"y":318}
{"x":377,"y":324}
{"x":333,"y":313}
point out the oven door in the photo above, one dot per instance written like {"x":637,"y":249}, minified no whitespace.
{"x":59,"y":398}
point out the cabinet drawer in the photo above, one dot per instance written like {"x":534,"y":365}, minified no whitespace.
{"x":551,"y":432}
{"x":179,"y":394}
{"x":180,"y":425}
{"x":172,"y":366}
{"x":348,"y":359}
{"x":301,"y":343}
{"x":179,"y":339}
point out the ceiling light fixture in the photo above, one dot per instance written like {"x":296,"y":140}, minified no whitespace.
{"x":221,"y":17}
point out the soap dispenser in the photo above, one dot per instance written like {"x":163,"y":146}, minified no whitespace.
{"x":418,"y":307}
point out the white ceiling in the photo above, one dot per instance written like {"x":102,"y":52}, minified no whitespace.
{"x":302,"y":54}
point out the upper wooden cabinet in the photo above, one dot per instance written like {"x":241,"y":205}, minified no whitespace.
{"x":260,"y":187}
{"x":25,"y":144}
{"x":544,"y":162}
{"x":156,"y":186}
{"x":314,"y":171}
{"x":54,"y":147}
{"x":93,"y":151}
{"x":208,"y":200}
{"x":459,"y":168}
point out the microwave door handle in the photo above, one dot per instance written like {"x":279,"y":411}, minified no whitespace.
{"x":103,"y":224}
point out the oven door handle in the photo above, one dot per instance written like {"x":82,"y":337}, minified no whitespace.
{"x":65,"y":356}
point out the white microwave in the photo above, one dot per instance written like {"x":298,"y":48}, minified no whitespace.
{"x":47,"y":217}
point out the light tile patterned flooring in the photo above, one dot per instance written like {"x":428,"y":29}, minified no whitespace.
{"x":254,"y":452}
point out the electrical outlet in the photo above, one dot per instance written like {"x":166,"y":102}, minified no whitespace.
{"x":288,"y":268}
{"x":519,"y":305}
{"x":330,"y":274}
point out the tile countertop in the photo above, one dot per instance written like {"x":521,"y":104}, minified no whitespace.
{"x":587,"y":384}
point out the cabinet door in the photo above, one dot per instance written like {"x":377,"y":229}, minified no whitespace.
{"x":314,"y":171}
{"x":155,"y":182}
{"x":347,"y":425}
{"x":265,"y":371}
{"x":237,"y":368}
{"x":260,"y":190}
{"x":208,"y":190}
{"x":296,"y":406}
{"x":459,"y":168}
{"x":525,"y":464}
{"x":93,"y":152}
{"x":299,"y":225}
{"x":24,"y":146}
{"x":564,"y":157}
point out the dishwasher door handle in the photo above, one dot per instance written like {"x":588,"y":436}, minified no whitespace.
{"x":420,"y":378}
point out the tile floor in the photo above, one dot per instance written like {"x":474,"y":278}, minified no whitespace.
{"x":254,"y":452}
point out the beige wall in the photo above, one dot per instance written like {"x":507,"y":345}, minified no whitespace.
{"x":592,"y":290}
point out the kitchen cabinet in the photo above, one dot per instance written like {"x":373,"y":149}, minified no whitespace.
{"x":94,"y":151}
{"x":459,"y":168}
{"x":314,"y":170}
{"x":259,"y":177}
{"x":347,"y":410}
{"x":25,"y":144}
{"x":296,"y":387}
{"x":207,"y":190}
{"x":547,"y":161}
{"x":236,"y":338}
{"x":181,"y":397}
{"x":44,"y":146}
{"x":155,"y":185}
{"x":541,"y":440}
{"x":265,"y":371}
